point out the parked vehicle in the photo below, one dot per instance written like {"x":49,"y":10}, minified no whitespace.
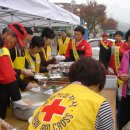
{"x":95,"y":47}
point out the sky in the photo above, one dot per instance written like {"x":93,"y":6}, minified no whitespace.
{"x":118,"y":9}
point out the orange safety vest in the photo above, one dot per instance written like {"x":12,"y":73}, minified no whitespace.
{"x":72,"y":108}
{"x":117,"y":63}
{"x":34,"y":66}
{"x":47,"y":54}
{"x":19,"y":63}
{"x":75,"y":53}
{"x":104,"y":45}
{"x":63,"y":46}
{"x":5,"y":51}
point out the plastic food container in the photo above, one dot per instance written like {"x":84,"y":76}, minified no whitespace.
{"x":111,"y":82}
{"x":23,"y":111}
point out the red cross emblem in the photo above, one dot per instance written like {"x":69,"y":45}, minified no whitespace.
{"x":52,"y":109}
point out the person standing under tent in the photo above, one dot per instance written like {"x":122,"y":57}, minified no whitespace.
{"x":45,"y":55}
{"x":78,"y":47}
{"x":32,"y":57}
{"x":8,"y":82}
{"x":63,"y":43}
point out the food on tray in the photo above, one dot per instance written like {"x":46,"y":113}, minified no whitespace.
{"x":53,"y":87}
{"x":59,"y":58}
{"x":55,"y":76}
{"x":40,"y":76}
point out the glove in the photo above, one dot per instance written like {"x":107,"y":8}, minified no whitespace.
{"x":5,"y":126}
{"x":110,"y":71}
{"x":27,"y":72}
{"x":49,"y":67}
{"x":32,"y":85}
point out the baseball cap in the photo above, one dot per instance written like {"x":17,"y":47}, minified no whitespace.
{"x":20,"y":32}
{"x":104,"y":35}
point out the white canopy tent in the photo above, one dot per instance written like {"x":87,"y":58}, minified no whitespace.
{"x":35,"y":13}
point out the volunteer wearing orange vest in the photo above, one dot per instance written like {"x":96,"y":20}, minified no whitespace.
{"x":78,"y":47}
{"x":8,"y":83}
{"x":116,"y":53}
{"x":18,"y":54}
{"x":104,"y":49}
{"x":77,"y":106}
{"x":32,"y":57}
{"x":63,"y":43}
{"x":18,"y":58}
{"x":118,"y":38}
{"x":45,"y":55}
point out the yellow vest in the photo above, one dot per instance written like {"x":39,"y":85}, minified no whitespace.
{"x":34,"y":66}
{"x":63,"y":46}
{"x":5,"y":51}
{"x":47,"y":54}
{"x":117,"y":63}
{"x":114,"y":44}
{"x":19,"y":62}
{"x":75,"y":53}
{"x":104,"y":45}
{"x":72,"y":108}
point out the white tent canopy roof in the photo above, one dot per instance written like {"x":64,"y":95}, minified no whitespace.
{"x":35,"y":13}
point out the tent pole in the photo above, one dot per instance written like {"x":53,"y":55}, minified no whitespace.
{"x":12,"y":16}
{"x":50,"y":22}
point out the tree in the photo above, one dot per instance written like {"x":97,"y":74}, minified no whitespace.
{"x":109,"y":24}
{"x":93,"y":13}
{"x":95,"y":16}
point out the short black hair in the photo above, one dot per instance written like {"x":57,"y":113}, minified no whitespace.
{"x":48,"y":33}
{"x":88,"y":71}
{"x":63,"y":31}
{"x":37,"y":41}
{"x":80,"y":29}
{"x":118,"y":33}
{"x":127,"y":35}
{"x":29,"y":30}
{"x":7,"y":29}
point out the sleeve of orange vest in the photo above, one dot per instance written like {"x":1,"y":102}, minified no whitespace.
{"x":7,"y":73}
{"x":88,"y":50}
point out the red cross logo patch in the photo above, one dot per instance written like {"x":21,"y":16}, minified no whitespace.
{"x":54,"y":108}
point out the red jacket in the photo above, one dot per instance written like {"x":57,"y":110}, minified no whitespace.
{"x":7,"y":73}
{"x":120,"y":43}
{"x":83,"y":48}
{"x":123,"y":48}
{"x":107,"y":42}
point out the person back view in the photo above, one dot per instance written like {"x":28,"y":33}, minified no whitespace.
{"x":78,"y":106}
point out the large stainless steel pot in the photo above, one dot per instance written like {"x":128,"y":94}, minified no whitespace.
{"x":23,"y":111}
